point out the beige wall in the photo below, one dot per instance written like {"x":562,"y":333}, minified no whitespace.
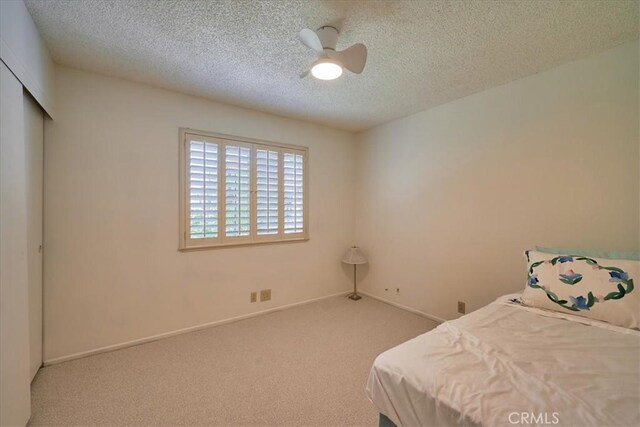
{"x":447,"y":199}
{"x":112,"y":269}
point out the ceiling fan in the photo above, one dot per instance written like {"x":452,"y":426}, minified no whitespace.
{"x":330,"y":62}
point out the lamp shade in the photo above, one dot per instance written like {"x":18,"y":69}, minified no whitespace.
{"x":354,"y":256}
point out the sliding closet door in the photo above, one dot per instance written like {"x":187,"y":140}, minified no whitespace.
{"x":15,"y":398}
{"x":33,"y":129}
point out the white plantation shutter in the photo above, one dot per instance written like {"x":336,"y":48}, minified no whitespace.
{"x":203,"y":189}
{"x":293,"y":174}
{"x":266,"y":191}
{"x":237,"y":190}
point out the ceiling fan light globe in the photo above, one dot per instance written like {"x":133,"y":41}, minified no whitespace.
{"x":326,"y":70}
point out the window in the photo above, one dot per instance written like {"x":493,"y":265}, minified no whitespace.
{"x":237,"y":191}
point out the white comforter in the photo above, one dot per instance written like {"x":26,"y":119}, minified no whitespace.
{"x":509,"y":365}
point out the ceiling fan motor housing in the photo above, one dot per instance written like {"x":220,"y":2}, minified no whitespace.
{"x":328,"y":37}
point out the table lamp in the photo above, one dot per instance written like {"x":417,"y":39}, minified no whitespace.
{"x":354,"y":256}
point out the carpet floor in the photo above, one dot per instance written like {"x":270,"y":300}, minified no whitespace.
{"x":306,"y":365}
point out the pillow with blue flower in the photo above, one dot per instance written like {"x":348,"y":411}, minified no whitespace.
{"x":597,"y":288}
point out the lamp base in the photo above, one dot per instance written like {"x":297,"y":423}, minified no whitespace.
{"x":354,"y":296}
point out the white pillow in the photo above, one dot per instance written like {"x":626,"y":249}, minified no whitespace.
{"x":596,"y":288}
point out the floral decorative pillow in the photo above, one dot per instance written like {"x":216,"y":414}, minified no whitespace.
{"x":597,"y":288}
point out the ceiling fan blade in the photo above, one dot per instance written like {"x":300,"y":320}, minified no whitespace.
{"x":352,"y":58}
{"x":310,"y":39}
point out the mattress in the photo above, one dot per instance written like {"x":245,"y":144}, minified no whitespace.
{"x":506,"y":365}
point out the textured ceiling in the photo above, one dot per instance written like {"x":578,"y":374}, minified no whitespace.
{"x":421,"y":53}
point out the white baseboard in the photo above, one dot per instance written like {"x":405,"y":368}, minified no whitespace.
{"x":181,"y":331}
{"x":404,"y":307}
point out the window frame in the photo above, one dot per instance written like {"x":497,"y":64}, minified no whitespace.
{"x":186,"y":243}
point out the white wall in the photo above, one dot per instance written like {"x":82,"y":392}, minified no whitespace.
{"x":112,"y":269}
{"x":25,"y":66}
{"x":33,"y":140}
{"x":24,"y":52}
{"x":15,"y":399}
{"x":447,"y":199}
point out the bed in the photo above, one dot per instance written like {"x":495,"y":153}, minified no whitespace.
{"x":507,"y":364}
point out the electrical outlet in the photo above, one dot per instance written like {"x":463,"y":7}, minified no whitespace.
{"x":254,"y":296}
{"x":265,"y":295}
{"x":461,"y":307}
